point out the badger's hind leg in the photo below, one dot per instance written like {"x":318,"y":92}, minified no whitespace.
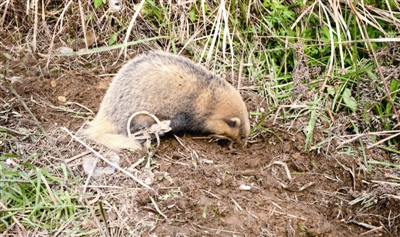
{"x":103,"y":131}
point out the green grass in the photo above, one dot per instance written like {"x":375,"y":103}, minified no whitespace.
{"x":35,"y":197}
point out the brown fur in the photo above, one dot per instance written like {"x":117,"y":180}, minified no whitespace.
{"x":172,"y":88}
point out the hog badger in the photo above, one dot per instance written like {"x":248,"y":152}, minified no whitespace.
{"x":172,"y":88}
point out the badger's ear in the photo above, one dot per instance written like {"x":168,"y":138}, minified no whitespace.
{"x":233,"y":122}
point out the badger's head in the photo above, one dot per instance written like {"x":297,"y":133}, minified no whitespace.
{"x":229,"y":117}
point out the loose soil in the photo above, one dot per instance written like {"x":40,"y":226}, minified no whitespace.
{"x":271,"y":188}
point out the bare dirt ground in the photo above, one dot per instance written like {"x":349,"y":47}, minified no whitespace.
{"x":271,"y":188}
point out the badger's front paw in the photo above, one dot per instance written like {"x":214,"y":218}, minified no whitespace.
{"x":161,"y":128}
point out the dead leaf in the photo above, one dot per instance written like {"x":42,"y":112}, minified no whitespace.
{"x":89,"y":164}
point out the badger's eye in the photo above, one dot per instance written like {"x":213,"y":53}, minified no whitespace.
{"x":242,"y":137}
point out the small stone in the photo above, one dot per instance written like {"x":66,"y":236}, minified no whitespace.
{"x":208,"y":172}
{"x":62,"y":99}
{"x":286,"y":147}
{"x":296,"y":155}
{"x":148,"y":181}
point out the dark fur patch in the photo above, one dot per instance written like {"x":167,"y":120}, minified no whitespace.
{"x":186,"y":121}
{"x":231,"y":123}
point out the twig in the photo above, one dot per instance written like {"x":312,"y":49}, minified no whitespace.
{"x":14,"y":218}
{"x":47,"y":187}
{"x":83,"y":24}
{"x":75,"y":103}
{"x":239,"y":82}
{"x":77,"y":156}
{"x":4,"y":12}
{"x":159,"y":211}
{"x":351,"y":171}
{"x":392,"y":177}
{"x":180,"y":142}
{"x":102,"y":212}
{"x":55,"y":31}
{"x":64,"y":225}
{"x":388,"y":183}
{"x":373,"y":230}
{"x":121,"y":218}
{"x":289,"y":228}
{"x":210,"y":193}
{"x":309,"y":9}
{"x":64,"y":109}
{"x":365,"y":225}
{"x":35,"y":26}
{"x":13,"y":181}
{"x":383,"y":140}
{"x":13,"y":131}
{"x":128,"y":31}
{"x":330,"y":67}
{"x":287,"y":106}
{"x":38,"y":226}
{"x":284,"y":166}
{"x":236,"y":204}
{"x":391,"y":196}
{"x":90,"y":175}
{"x":286,"y":214}
{"x":233,"y":233}
{"x":357,"y":136}
{"x":100,"y":49}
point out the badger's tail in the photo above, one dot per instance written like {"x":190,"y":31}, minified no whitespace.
{"x":104,"y":132}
